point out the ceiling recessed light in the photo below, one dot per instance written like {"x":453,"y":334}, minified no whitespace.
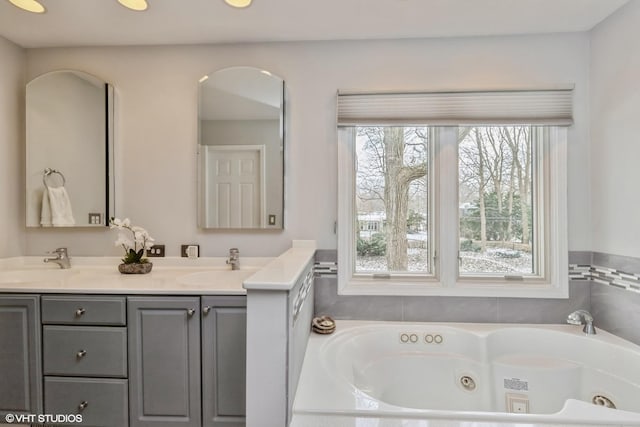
{"x":29,"y":5}
{"x":238,"y":3}
{"x":138,"y":5}
{"x":203,"y":78}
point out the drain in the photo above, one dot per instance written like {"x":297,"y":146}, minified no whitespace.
{"x":467,"y":383}
{"x":600,"y":400}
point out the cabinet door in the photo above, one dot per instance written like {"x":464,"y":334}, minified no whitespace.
{"x":224,"y":348}
{"x":20,"y":359}
{"x":164,"y":361}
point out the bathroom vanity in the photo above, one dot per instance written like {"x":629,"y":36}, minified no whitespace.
{"x":174,"y":356}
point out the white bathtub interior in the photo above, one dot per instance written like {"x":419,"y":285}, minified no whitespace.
{"x":487,"y":371}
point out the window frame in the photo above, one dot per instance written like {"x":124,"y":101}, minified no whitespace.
{"x":445,"y":280}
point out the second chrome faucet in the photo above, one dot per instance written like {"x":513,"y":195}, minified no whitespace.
{"x":234,"y":259}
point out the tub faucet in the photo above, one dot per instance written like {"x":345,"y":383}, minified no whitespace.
{"x":61,"y":258}
{"x":582,"y":317}
{"x":234,"y":259}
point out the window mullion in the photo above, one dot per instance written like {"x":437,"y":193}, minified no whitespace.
{"x":447,"y":172}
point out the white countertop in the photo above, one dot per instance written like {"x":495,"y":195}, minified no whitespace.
{"x":281,"y":273}
{"x":170,"y":275}
{"x":93,"y":275}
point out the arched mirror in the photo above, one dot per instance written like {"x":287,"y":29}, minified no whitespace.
{"x":69,"y":150}
{"x":240,"y":149}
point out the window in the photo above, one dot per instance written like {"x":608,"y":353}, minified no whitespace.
{"x":498,"y":230}
{"x":477,"y":209}
{"x":391,"y":198}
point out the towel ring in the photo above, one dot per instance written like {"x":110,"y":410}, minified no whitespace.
{"x":48,"y":172}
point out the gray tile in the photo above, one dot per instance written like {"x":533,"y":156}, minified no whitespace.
{"x":449,"y":309}
{"x":353,"y":307}
{"x":617,"y":262}
{"x":616,"y":310}
{"x":580,"y":257}
{"x":543,"y":310}
{"x":326,"y":255}
{"x":325,"y":291}
{"x":364,"y":307}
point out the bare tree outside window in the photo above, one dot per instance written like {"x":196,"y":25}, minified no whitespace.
{"x":495,"y":200}
{"x":392,"y":193}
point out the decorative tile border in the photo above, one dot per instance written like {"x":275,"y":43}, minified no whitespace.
{"x":605,"y":276}
{"x":580,"y":272}
{"x":325,"y":269}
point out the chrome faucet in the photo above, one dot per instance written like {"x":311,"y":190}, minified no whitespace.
{"x":234,"y":259}
{"x":582,"y":317}
{"x":61,"y":258}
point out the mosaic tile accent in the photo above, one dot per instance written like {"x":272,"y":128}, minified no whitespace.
{"x":325,"y":269}
{"x":579,"y":272}
{"x":605,"y":276}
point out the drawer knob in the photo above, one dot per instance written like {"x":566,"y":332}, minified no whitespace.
{"x":80,"y":312}
{"x":206,"y":309}
{"x":81,"y":354}
{"x":191,"y":312}
{"x":83,"y":405}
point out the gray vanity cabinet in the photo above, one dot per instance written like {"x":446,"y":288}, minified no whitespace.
{"x":84,"y":355}
{"x":20,"y":355}
{"x":164,"y":361}
{"x":224,"y":342}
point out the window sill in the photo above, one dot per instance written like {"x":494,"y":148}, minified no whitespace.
{"x":461,"y":289}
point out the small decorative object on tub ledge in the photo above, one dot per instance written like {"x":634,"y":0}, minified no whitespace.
{"x":323,"y":325}
{"x":134,"y":247}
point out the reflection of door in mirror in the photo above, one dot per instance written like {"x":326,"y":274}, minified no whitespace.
{"x":241,"y":149}
{"x":68,"y":120}
{"x":234,"y":186}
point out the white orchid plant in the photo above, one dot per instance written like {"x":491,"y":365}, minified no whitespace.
{"x":135,"y":241}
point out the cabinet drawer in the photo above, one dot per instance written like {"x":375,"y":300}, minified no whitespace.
{"x":91,"y":351}
{"x":101,"y":402}
{"x":83,"y":310}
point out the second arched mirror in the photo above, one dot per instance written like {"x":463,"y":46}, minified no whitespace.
{"x":240,"y":149}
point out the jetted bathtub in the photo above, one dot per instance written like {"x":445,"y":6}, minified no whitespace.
{"x":481,"y":372}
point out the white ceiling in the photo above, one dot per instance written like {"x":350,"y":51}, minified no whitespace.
{"x":105,"y":22}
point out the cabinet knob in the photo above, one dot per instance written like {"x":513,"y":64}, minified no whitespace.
{"x":191,"y":312}
{"x":83,"y":405}
{"x":81,"y":354}
{"x":206,"y":309}
{"x":80,"y":312}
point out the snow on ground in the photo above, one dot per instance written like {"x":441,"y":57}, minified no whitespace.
{"x":491,"y":261}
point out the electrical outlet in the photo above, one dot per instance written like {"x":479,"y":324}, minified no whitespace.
{"x":190,"y":251}
{"x":155,"y":251}
{"x":272,"y":219}
{"x":95,"y":218}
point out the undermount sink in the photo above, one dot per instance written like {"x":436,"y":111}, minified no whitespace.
{"x":218,"y":277}
{"x":34,"y":276}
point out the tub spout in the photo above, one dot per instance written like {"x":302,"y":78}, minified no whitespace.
{"x":582,"y":317}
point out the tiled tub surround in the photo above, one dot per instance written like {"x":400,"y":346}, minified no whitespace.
{"x":606,"y":285}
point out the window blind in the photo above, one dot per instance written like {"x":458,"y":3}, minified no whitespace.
{"x":504,"y":107}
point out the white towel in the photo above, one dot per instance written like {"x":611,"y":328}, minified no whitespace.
{"x":56,"y":208}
